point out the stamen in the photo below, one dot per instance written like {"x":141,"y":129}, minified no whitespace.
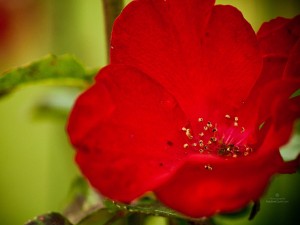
{"x":213,"y":139}
{"x":226,"y":140}
{"x":186,"y":145}
{"x":208,"y":167}
{"x":201,"y":144}
{"x":188,"y":133}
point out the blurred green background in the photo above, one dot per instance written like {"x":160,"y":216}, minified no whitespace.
{"x":36,"y":160}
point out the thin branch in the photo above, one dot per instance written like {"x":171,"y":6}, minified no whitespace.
{"x":112,"y":9}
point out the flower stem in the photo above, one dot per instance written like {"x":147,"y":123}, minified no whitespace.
{"x":112,"y":9}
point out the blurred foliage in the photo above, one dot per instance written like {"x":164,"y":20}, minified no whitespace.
{"x":59,"y":70}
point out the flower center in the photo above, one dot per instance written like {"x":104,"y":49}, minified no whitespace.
{"x":227,"y":139}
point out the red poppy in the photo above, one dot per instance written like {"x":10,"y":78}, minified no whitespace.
{"x":193,"y":106}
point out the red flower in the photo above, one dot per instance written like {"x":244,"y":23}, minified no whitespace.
{"x":189,"y":108}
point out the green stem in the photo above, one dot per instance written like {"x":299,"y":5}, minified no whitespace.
{"x":112,"y":9}
{"x":157,"y":209}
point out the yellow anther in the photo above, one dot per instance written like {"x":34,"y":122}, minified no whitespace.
{"x":208,"y":167}
{"x":200,"y":119}
{"x":188,"y":133}
{"x":201,"y":143}
{"x":227,"y":116}
{"x":186,"y":145}
{"x":213,"y":139}
{"x":209,"y":124}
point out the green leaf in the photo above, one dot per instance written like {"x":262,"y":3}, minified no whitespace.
{"x":82,"y":201}
{"x":296,"y":93}
{"x":49,"y":219}
{"x":104,"y":217}
{"x":58,"y":70}
{"x":57,"y":103}
{"x":149,"y":207}
{"x":291,"y":150}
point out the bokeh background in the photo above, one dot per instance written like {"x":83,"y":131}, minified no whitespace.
{"x":36,"y":160}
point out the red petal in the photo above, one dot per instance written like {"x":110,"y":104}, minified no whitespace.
{"x":278,"y":36}
{"x":277,"y":132}
{"x":260,"y":104}
{"x":292,"y":68}
{"x":268,"y":28}
{"x":284,"y":114}
{"x":290,"y":166}
{"x":229,"y":186}
{"x":203,"y":59}
{"x":133,"y":144}
{"x":87,"y":106}
{"x":278,"y":41}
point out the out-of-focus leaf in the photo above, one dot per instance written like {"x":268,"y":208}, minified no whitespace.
{"x":49,"y":219}
{"x":56,"y":104}
{"x":104,"y":217}
{"x":291,"y":150}
{"x":82,"y":201}
{"x":58,"y":70}
{"x":296,"y":93}
{"x":157,"y":220}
